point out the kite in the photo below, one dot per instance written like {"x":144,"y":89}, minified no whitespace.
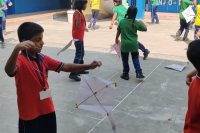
{"x":96,"y":95}
{"x":189,"y":13}
{"x":66,"y":47}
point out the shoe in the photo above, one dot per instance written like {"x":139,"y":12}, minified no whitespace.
{"x":146,"y":53}
{"x":89,"y":26}
{"x":83,"y":72}
{"x":139,"y":75}
{"x":74,"y":77}
{"x":125,"y":76}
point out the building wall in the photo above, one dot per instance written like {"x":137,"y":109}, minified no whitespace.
{"x":29,"y":6}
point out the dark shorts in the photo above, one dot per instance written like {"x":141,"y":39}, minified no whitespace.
{"x":42,"y":124}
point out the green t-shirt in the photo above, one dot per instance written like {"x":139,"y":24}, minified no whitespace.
{"x":129,"y":37}
{"x":1,"y":5}
{"x":121,"y":12}
{"x":184,"y":4}
{"x":155,"y":3}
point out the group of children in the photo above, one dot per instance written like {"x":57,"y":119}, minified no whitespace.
{"x":30,"y":68}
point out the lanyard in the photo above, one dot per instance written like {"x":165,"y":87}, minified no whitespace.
{"x":39,"y":72}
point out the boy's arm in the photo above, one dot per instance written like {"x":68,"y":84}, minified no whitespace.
{"x":113,"y":20}
{"x":142,"y":26}
{"x":189,"y":76}
{"x":10,"y":67}
{"x":80,"y":67}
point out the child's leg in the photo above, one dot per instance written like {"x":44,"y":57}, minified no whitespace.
{"x":92,"y":19}
{"x":152,"y":15}
{"x":186,"y":26}
{"x":155,"y":15}
{"x":1,"y":31}
{"x":196,"y":30}
{"x":79,"y":45}
{"x":136,"y":62}
{"x":31,"y":126}
{"x":48,"y":124}
{"x":144,"y":50}
{"x":125,"y":56}
{"x":181,"y":29}
{"x":96,"y":13}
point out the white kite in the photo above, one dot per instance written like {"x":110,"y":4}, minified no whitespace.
{"x":66,"y":47}
{"x":116,"y":47}
{"x":188,"y":14}
{"x":96,"y":95}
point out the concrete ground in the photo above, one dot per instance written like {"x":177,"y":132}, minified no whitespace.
{"x":157,"y":105}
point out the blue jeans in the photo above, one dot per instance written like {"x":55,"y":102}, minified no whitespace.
{"x":135,"y":59}
{"x":1,"y":30}
{"x":93,"y":20}
{"x":141,"y":47}
{"x":154,"y":16}
{"x":79,"y":45}
{"x":197,"y":28}
{"x":4,"y":19}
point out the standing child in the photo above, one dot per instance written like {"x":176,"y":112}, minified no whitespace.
{"x":119,"y":13}
{"x":2,"y":6}
{"x":197,"y":21}
{"x":78,"y":29}
{"x":95,"y":6}
{"x":30,"y":69}
{"x":7,"y":3}
{"x":128,"y":28}
{"x":183,"y":24}
{"x":154,"y":16}
{"x":192,"y":119}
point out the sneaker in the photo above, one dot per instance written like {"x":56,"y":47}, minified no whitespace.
{"x":146,"y":53}
{"x":125,"y":76}
{"x":74,"y":77}
{"x":89,"y":26}
{"x":83,"y":72}
{"x":139,"y":75}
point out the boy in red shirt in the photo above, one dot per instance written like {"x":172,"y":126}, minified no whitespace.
{"x":78,"y":29}
{"x":30,"y":69}
{"x":192,"y":120}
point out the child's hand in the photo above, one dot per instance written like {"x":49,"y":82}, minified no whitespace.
{"x":95,"y":64}
{"x":188,"y":80}
{"x":26,"y":45}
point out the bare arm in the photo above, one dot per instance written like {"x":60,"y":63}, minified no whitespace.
{"x":195,"y":2}
{"x":80,"y":67}
{"x":10,"y":67}
{"x":189,"y":76}
{"x":113,"y":20}
{"x":144,"y":26}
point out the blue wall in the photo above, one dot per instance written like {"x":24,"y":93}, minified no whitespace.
{"x":140,"y":4}
{"x":170,"y":6}
{"x":28,"y":6}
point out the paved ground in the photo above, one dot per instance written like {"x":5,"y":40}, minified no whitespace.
{"x":157,"y":105}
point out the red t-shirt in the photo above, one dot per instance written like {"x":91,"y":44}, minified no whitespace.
{"x":192,"y":120}
{"x":29,"y":86}
{"x":78,"y":32}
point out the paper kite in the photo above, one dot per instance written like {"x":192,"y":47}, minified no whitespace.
{"x":66,"y":47}
{"x":116,"y":48}
{"x":176,"y":67}
{"x":189,"y":13}
{"x":96,"y":95}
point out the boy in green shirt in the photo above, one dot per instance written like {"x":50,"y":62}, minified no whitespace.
{"x":183,"y":24}
{"x":128,"y":28}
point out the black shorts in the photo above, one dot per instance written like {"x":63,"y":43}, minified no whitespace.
{"x":42,"y":124}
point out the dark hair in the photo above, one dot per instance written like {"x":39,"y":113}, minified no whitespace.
{"x":193,"y":53}
{"x":27,"y":30}
{"x":131,"y":13}
{"x":119,"y":2}
{"x":79,"y":4}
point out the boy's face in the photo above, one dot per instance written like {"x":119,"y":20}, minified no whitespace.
{"x":38,"y":41}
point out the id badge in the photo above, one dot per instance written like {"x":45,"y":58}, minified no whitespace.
{"x":45,"y":94}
